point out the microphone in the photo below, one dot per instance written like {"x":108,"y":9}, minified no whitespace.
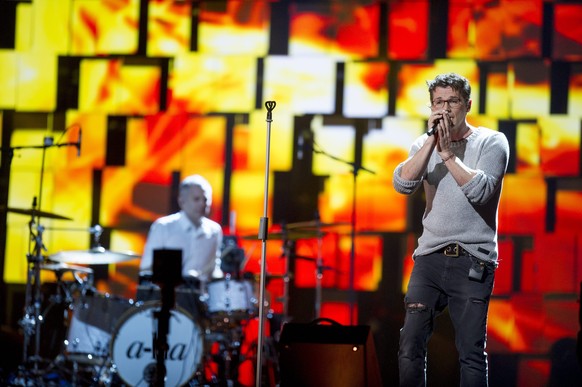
{"x":78,"y":144}
{"x":434,"y":128}
{"x":302,"y":142}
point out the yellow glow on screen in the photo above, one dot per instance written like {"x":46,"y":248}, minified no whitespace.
{"x":243,"y":28}
{"x":306,"y":85}
{"x":337,"y":141}
{"x":94,"y":131}
{"x":336,"y":201}
{"x":101,"y":27}
{"x":110,"y":86}
{"x":531,"y":91}
{"x":281,"y":139}
{"x":498,"y":97}
{"x":208,"y":83}
{"x":47,"y":26}
{"x":373,"y":213}
{"x":334,"y":30}
{"x":528,"y":148}
{"x":169,"y":27}
{"x":9,"y":80}
{"x":27,"y":190}
{"x":482,"y":120}
{"x":366,"y":89}
{"x":28,"y":80}
{"x":367,"y":266}
{"x":521,"y":211}
{"x":560,"y":146}
{"x":384,"y":150}
{"x":247,"y":200}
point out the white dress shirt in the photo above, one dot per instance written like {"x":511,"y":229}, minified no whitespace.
{"x":201,"y":246}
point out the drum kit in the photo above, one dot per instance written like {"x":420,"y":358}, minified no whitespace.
{"x":87,"y":337}
{"x":92,"y":338}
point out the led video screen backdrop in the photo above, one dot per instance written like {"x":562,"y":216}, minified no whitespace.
{"x":156,"y":90}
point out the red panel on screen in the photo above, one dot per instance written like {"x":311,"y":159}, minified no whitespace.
{"x":338,"y":311}
{"x":408,"y":30}
{"x":504,"y":273}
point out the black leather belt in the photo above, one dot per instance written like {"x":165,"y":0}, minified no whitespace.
{"x":454,"y":250}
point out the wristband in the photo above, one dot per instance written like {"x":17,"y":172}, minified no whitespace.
{"x":448,"y":158}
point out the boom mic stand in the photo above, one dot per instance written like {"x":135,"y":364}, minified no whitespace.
{"x":356,"y":167}
{"x":31,"y":322}
{"x":263,"y":233}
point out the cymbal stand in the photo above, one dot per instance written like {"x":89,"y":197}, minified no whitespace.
{"x":356,"y":167}
{"x":319,"y":269}
{"x":288,"y":246}
{"x":263,"y":234}
{"x":33,"y":298}
{"x":286,"y":279}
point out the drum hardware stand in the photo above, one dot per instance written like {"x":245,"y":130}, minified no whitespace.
{"x":288,"y":245}
{"x":356,"y":167}
{"x":319,"y":268}
{"x":32,"y":314}
{"x":263,"y":234}
{"x":32,"y":318}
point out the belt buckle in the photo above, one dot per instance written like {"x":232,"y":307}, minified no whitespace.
{"x":453,"y":250}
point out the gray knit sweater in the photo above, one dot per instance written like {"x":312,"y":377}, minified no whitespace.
{"x":464,"y":214}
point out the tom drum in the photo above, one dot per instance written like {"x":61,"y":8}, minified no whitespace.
{"x":93,"y":321}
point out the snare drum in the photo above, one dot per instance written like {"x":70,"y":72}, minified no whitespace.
{"x":132,"y":346}
{"x":232,"y":298}
{"x":94,"y":319}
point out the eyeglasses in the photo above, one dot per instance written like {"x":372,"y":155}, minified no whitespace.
{"x":440,"y":103}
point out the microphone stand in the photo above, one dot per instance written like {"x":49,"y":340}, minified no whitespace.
{"x":263,"y":234}
{"x":31,"y":322}
{"x":356,"y":167}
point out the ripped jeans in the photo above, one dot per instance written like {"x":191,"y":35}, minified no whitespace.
{"x":438,"y":281}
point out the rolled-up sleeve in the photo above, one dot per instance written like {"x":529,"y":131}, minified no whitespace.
{"x":491,"y":167}
{"x":403,"y":186}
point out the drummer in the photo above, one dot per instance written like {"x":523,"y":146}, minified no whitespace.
{"x":189,"y":230}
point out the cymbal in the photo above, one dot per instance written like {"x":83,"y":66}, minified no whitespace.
{"x":63,"y":267}
{"x":42,"y":214}
{"x":289,"y":235}
{"x":95,"y":256}
{"x":314,"y":224}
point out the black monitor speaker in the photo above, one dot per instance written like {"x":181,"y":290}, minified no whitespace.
{"x":318,"y":355}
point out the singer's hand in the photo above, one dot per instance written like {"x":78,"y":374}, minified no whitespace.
{"x":444,"y":135}
{"x":435,"y":119}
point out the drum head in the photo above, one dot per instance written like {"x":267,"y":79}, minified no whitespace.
{"x":132,"y":347}
{"x":94,"y":319}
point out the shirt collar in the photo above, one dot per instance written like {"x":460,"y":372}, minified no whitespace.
{"x":187,"y":225}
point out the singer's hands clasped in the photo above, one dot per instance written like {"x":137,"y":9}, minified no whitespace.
{"x":442,"y":122}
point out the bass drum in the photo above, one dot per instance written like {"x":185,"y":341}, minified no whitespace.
{"x":133,"y":353}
